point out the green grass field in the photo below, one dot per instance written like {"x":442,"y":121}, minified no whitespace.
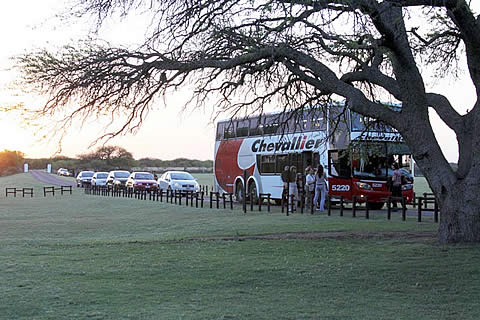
{"x":91,"y":257}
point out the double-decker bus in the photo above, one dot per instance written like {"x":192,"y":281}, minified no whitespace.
{"x":356,"y":151}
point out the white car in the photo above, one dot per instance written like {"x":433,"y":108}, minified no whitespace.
{"x":99,"y":179}
{"x":84,"y":178}
{"x":178,"y":180}
{"x":117,"y":179}
{"x":63,"y":172}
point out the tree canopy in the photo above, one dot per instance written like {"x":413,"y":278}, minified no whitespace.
{"x":249,"y":53}
{"x":109,"y":157}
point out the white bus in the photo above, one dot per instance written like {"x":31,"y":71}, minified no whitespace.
{"x":356,"y":152}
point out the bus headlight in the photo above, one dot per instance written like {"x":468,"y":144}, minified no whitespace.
{"x":407,"y":187}
{"x":363,"y":185}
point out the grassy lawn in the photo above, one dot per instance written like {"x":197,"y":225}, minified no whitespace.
{"x":79,"y":257}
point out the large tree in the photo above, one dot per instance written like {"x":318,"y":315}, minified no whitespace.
{"x":246,"y":53}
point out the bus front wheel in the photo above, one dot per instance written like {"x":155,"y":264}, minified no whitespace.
{"x":252,"y":189}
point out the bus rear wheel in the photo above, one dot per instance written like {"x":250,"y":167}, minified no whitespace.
{"x":239,"y":192}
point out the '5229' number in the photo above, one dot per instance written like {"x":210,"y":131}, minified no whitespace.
{"x":340,"y":187}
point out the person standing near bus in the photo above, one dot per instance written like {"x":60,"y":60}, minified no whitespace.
{"x":300,"y":180}
{"x":396,"y":184}
{"x":292,"y":187}
{"x":320,"y":188}
{"x":285,"y":179}
{"x":309,"y":186}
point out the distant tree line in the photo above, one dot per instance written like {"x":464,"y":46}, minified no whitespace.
{"x":11,"y":162}
{"x":180,"y":162}
{"x":107,"y":158}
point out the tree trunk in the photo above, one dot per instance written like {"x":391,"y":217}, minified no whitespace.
{"x":460,"y":214}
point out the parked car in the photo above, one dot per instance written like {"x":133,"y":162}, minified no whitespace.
{"x":117,"y":178}
{"x":142,"y":181}
{"x":99,"y":179}
{"x":84,"y":178}
{"x":178,"y":180}
{"x":63,"y":172}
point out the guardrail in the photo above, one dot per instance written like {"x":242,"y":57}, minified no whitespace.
{"x":52,"y":189}
{"x":14,"y":190}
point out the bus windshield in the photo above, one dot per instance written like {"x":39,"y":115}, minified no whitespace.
{"x":373,"y":160}
{"x":370,"y":160}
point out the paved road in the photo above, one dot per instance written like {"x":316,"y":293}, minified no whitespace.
{"x":49,"y":178}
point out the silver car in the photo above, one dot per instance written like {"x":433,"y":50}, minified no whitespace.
{"x":84,"y":178}
{"x":117,"y":179}
{"x":178,"y":180}
{"x":99,"y":179}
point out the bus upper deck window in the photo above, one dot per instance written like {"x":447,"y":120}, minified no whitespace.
{"x":256,"y":126}
{"x":220,"y":128}
{"x":242,"y":127}
{"x":228,"y":131}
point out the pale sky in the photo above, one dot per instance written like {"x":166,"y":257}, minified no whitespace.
{"x":168,"y":133}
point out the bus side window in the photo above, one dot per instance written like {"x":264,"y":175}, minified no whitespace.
{"x":338,"y":164}
{"x":242,"y":128}
{"x":271,"y":125}
{"x":282,"y":161}
{"x":256,"y":126}
{"x":268,"y":164}
{"x":229,"y":131}
{"x":220,"y":128}
{"x":316,"y":120}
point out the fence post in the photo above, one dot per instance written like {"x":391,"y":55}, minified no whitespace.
{"x":367,"y":209}
{"x":354,"y":209}
{"x":419,"y":209}
{"x":302,"y":201}
{"x":389,"y":208}
{"x":341,"y":206}
{"x":251,"y":200}
{"x":244,"y":190}
{"x":292,"y":203}
{"x":419,"y":214}
{"x":329,"y":206}
{"x":435,"y":211}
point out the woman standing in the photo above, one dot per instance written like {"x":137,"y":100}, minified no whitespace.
{"x":320,"y":188}
{"x":309,"y":186}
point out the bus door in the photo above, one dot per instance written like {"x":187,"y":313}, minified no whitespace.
{"x":295,"y":159}
{"x":307,"y":159}
{"x":340,"y":173}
